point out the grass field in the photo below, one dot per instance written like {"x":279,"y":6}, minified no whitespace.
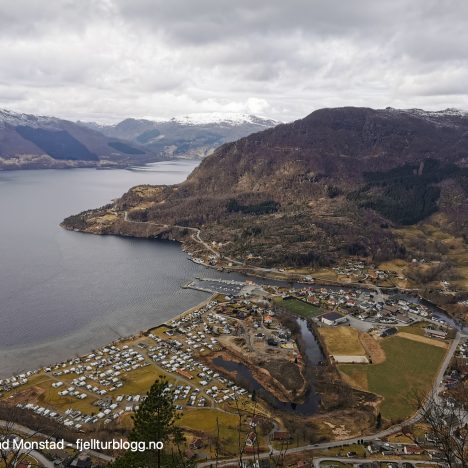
{"x":300,"y":308}
{"x":139,"y":381}
{"x":204,"y":420}
{"x":342,"y":341}
{"x":416,"y":328}
{"x":39,"y":391}
{"x":51,"y":398}
{"x":409,"y":370}
{"x":423,"y":339}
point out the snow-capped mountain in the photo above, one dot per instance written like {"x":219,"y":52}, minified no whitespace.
{"x":31,"y":141}
{"x":228,"y":118}
{"x":8,"y":117}
{"x":36,"y":141}
{"x":188,"y":136}
{"x":446,"y":117}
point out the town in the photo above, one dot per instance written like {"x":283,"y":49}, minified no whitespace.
{"x":238,"y":355}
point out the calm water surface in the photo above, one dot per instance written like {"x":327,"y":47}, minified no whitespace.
{"x":63,"y":293}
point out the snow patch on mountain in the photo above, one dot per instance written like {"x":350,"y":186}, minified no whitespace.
{"x":15,"y":119}
{"x":228,"y":118}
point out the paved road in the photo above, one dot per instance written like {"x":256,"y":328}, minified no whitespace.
{"x":45,"y":462}
{"x":356,"y":461}
{"x":379,"y":435}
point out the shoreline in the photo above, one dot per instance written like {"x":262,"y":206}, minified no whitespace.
{"x":95,"y":346}
{"x":211,"y":294}
{"x":239,"y":269}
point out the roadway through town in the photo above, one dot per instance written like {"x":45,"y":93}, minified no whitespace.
{"x":379,"y":435}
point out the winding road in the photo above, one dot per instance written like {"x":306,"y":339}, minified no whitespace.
{"x":195,"y":236}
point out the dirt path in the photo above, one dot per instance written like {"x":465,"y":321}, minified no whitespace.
{"x":423,"y":339}
{"x":373,"y":348}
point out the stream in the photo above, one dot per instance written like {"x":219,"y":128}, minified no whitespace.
{"x":247,"y":380}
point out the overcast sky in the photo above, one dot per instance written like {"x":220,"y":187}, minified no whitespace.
{"x":109,"y":59}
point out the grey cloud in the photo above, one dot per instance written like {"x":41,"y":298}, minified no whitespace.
{"x":108,"y":59}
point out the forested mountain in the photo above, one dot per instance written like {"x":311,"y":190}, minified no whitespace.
{"x":306,"y":193}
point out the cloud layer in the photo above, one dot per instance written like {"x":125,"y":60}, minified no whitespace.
{"x":110,"y":59}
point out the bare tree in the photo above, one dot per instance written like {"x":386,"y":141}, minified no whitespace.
{"x":217,"y":447}
{"x":10,"y":454}
{"x":448,"y":423}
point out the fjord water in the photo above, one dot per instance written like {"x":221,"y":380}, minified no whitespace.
{"x":63,"y":293}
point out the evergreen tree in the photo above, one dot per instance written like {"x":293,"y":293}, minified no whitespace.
{"x":155,"y":421}
{"x":378,"y":421}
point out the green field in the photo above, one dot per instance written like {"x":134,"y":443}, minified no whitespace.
{"x":300,"y":308}
{"x":409,"y":370}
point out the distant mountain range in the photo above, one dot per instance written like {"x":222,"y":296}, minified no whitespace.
{"x":190,"y":136}
{"x":35,"y":142}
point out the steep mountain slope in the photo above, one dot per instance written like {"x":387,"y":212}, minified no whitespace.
{"x":192,"y":136}
{"x":29,"y":141}
{"x":312,"y":192}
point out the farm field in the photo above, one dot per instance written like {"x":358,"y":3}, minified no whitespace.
{"x":301,"y":308}
{"x":342,"y":341}
{"x":409,"y":370}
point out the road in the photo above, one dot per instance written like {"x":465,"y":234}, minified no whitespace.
{"x":379,"y":435}
{"x":195,"y":236}
{"x":40,"y":458}
{"x":397,"y":428}
{"x":356,"y":461}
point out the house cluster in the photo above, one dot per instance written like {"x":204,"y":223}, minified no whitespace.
{"x":260,"y":319}
{"x":100,"y":377}
{"x":424,"y":445}
{"x":462,"y":349}
{"x":99,"y":373}
{"x":359,"y":271}
{"x":456,"y":375}
{"x":392,"y":310}
{"x":366,"y":305}
{"x":15,"y":381}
